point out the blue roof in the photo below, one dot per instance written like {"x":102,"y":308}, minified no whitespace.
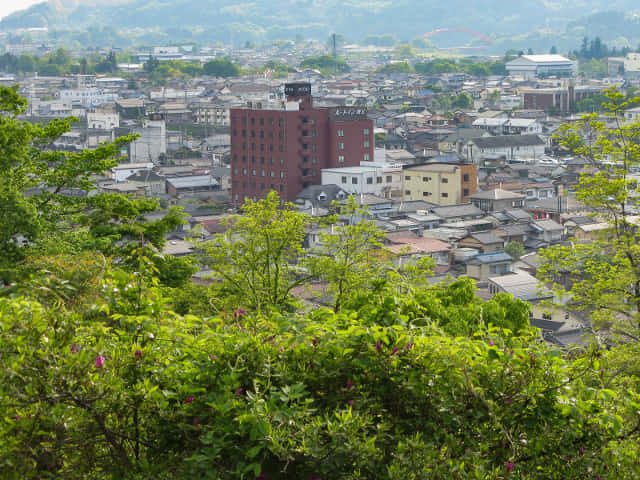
{"x":494,"y":257}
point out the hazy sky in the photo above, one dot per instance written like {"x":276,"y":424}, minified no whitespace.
{"x":10,"y":6}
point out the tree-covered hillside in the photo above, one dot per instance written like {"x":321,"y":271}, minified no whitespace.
{"x":229,"y":21}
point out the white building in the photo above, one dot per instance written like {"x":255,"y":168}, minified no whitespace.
{"x":532,"y":66}
{"x":86,"y":97}
{"x":369,"y":178}
{"x":103,"y":121}
{"x":123,"y":171}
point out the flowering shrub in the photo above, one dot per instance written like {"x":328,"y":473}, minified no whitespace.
{"x":323,"y":395}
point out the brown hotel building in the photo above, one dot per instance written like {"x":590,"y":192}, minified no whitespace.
{"x":284,"y":150}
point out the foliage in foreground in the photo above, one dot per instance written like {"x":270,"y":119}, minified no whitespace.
{"x":111,"y":384}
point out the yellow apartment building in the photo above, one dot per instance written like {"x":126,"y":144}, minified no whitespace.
{"x":440,"y":183}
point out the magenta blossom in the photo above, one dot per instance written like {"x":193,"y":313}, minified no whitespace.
{"x":394,"y":351}
{"x":74,"y":349}
{"x":239,"y":392}
{"x":189,"y":399}
{"x":17,"y":417}
{"x":195,"y":421}
{"x":138,"y":353}
{"x":350,"y":403}
{"x":349,"y":384}
{"x":510,"y":466}
{"x":99,"y":361}
{"x":409,"y":346}
{"x":314,"y":342}
{"x":378,"y":347}
{"x":491,"y":344}
{"x":239,"y":312}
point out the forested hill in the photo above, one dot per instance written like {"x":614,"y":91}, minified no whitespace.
{"x":264,"y":19}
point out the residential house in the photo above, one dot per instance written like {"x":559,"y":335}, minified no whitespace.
{"x":484,"y":266}
{"x":484,"y":242}
{"x":497,"y":200}
{"x":547,"y":231}
{"x":191,"y":185}
{"x":151,"y":181}
{"x":515,"y":148}
{"x":408,"y":246}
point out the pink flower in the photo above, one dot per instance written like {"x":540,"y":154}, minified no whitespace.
{"x":349,"y":384}
{"x":510,"y":466}
{"x":195,"y":421}
{"x":138,"y":353}
{"x":238,"y":392}
{"x":17,"y":417}
{"x":74,"y":349}
{"x":350,"y":403}
{"x":409,"y":346}
{"x":239,"y":312}
{"x":581,"y":451}
{"x":314,"y":342}
{"x":189,"y":399}
{"x":378,"y":347}
{"x":394,"y":351}
{"x":99,"y":361}
{"x":508,"y":401}
{"x":491,"y":343}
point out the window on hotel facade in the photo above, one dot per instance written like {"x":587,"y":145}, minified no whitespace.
{"x":354,"y":180}
{"x":341,"y":146}
{"x":445,"y":195}
{"x":366,"y":144}
{"x":378,"y":179}
{"x":369,"y":180}
{"x":407,"y":178}
{"x":340,"y":158}
{"x":389,"y":179}
{"x":465,"y":177}
{"x":445,"y":180}
{"x":367,"y":157}
{"x":341,"y":132}
{"x":365,"y":131}
{"x":343,"y":179}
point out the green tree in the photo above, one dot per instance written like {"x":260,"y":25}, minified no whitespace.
{"x":221,"y":67}
{"x":349,"y":255}
{"x":326,"y":64}
{"x":396,"y":67}
{"x":514,"y":249}
{"x":462,"y":100}
{"x":254,"y":261}
{"x":602,"y":277}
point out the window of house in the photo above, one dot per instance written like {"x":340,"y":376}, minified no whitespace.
{"x":340,"y":158}
{"x":465,"y":192}
{"x":365,"y":131}
{"x":445,"y":195}
{"x":343,"y":180}
{"x":389,"y":179}
{"x":407,"y":192}
{"x":313,"y":147}
{"x":253,"y":172}
{"x":341,"y":146}
{"x":366,"y":144}
{"x":426,"y":194}
{"x":378,"y":179}
{"x":426,"y":179}
{"x":367,"y":157}
{"x":369,"y":180}
{"x":407,"y":178}
{"x":273,"y":174}
{"x":465,"y":177}
{"x":341,"y":133}
{"x":244,"y":171}
{"x":281,"y":174}
{"x":445,"y":180}
{"x":262,"y":173}
{"x":354,"y":180}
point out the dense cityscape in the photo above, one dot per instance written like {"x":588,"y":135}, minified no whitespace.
{"x":304,"y":259}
